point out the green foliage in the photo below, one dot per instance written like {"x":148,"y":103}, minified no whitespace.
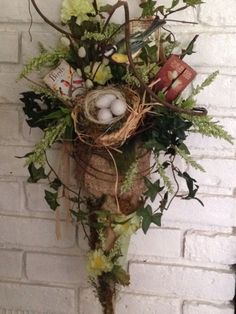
{"x":148,"y":217}
{"x":191,"y":185}
{"x":208,"y":81}
{"x":120,"y":275}
{"x":208,"y":127}
{"x":130,"y":177}
{"x":148,"y":8}
{"x":181,"y":151}
{"x":45,"y":59}
{"x":55,"y":184}
{"x":51,"y":199}
{"x":166,"y":180}
{"x":193,"y":3}
{"x":50,"y":136}
{"x":152,"y":188}
{"x":36,"y":174}
{"x":37,"y":107}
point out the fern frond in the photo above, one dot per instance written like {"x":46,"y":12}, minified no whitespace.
{"x":50,"y":136}
{"x":129,"y":177}
{"x":47,"y":58}
{"x":189,"y":160}
{"x":206,"y":126}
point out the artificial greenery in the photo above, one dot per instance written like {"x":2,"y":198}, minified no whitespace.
{"x":161,"y":131}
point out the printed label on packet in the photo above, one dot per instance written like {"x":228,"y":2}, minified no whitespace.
{"x":65,"y":81}
{"x":174,"y":77}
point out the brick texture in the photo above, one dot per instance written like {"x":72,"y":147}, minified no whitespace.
{"x":183,"y":267}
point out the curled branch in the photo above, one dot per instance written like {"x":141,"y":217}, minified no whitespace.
{"x":194,"y":112}
{"x":62,"y":31}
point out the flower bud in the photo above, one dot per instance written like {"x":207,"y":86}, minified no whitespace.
{"x":89,"y":84}
{"x":82,"y":52}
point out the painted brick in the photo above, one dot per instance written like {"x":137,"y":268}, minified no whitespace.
{"x":88,"y":303}
{"x":10,"y":196}
{"x":217,"y":102}
{"x":208,"y":54}
{"x":10,"y":165}
{"x":130,"y":304}
{"x":56,"y":268}
{"x":31,"y":135}
{"x":30,"y":48}
{"x":177,"y":281}
{"x":212,"y":248}
{"x":10,"y":89}
{"x":144,"y":245}
{"x":34,"y":232}
{"x":11,"y":264}
{"x":9,"y":117}
{"x":217,"y":211}
{"x":21,"y":297}
{"x":199,"y":308}
{"x":9,"y":51}
{"x":223,"y":178}
{"x":17,"y":11}
{"x":222,"y":15}
{"x":35,"y":197}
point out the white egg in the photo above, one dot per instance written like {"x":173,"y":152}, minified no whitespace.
{"x":104,"y":115}
{"x":118,"y":107}
{"x":104,"y":101}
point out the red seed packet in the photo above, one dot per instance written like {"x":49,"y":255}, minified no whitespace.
{"x":174,"y":77}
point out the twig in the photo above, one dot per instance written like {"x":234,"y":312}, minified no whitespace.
{"x":62,"y":31}
{"x":173,"y":169}
{"x":54,"y":172}
{"x":177,"y":10}
{"x":194,"y":112}
{"x":31,"y":21}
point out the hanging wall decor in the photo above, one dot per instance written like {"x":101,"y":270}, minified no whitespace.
{"x":110,"y":97}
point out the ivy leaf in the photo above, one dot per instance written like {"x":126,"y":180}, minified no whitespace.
{"x":36,"y":173}
{"x":80,"y":215}
{"x":146,"y":222}
{"x":189,"y":49}
{"x":55,"y":184}
{"x":156,"y":219}
{"x":192,"y":187}
{"x":174,"y":3}
{"x":148,"y":8}
{"x":163,"y":202}
{"x":51,"y":199}
{"x":193,"y":3}
{"x":152,"y":188}
{"x":121,"y":276}
{"x":146,"y":214}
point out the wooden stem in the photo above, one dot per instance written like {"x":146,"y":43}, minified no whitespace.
{"x":62,"y":31}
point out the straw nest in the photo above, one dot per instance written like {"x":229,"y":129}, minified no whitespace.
{"x":93,"y":132}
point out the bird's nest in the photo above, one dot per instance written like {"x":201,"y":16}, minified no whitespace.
{"x":93,"y":132}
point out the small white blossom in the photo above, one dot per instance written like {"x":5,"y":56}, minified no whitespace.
{"x":82,"y":52}
{"x":89,"y":84}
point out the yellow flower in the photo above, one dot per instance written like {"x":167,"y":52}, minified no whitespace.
{"x":77,"y":8}
{"x":100,"y":73}
{"x":98,"y":263}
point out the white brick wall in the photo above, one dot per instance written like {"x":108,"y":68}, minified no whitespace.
{"x":183,"y":267}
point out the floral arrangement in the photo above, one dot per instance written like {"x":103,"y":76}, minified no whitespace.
{"x":111,"y":96}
